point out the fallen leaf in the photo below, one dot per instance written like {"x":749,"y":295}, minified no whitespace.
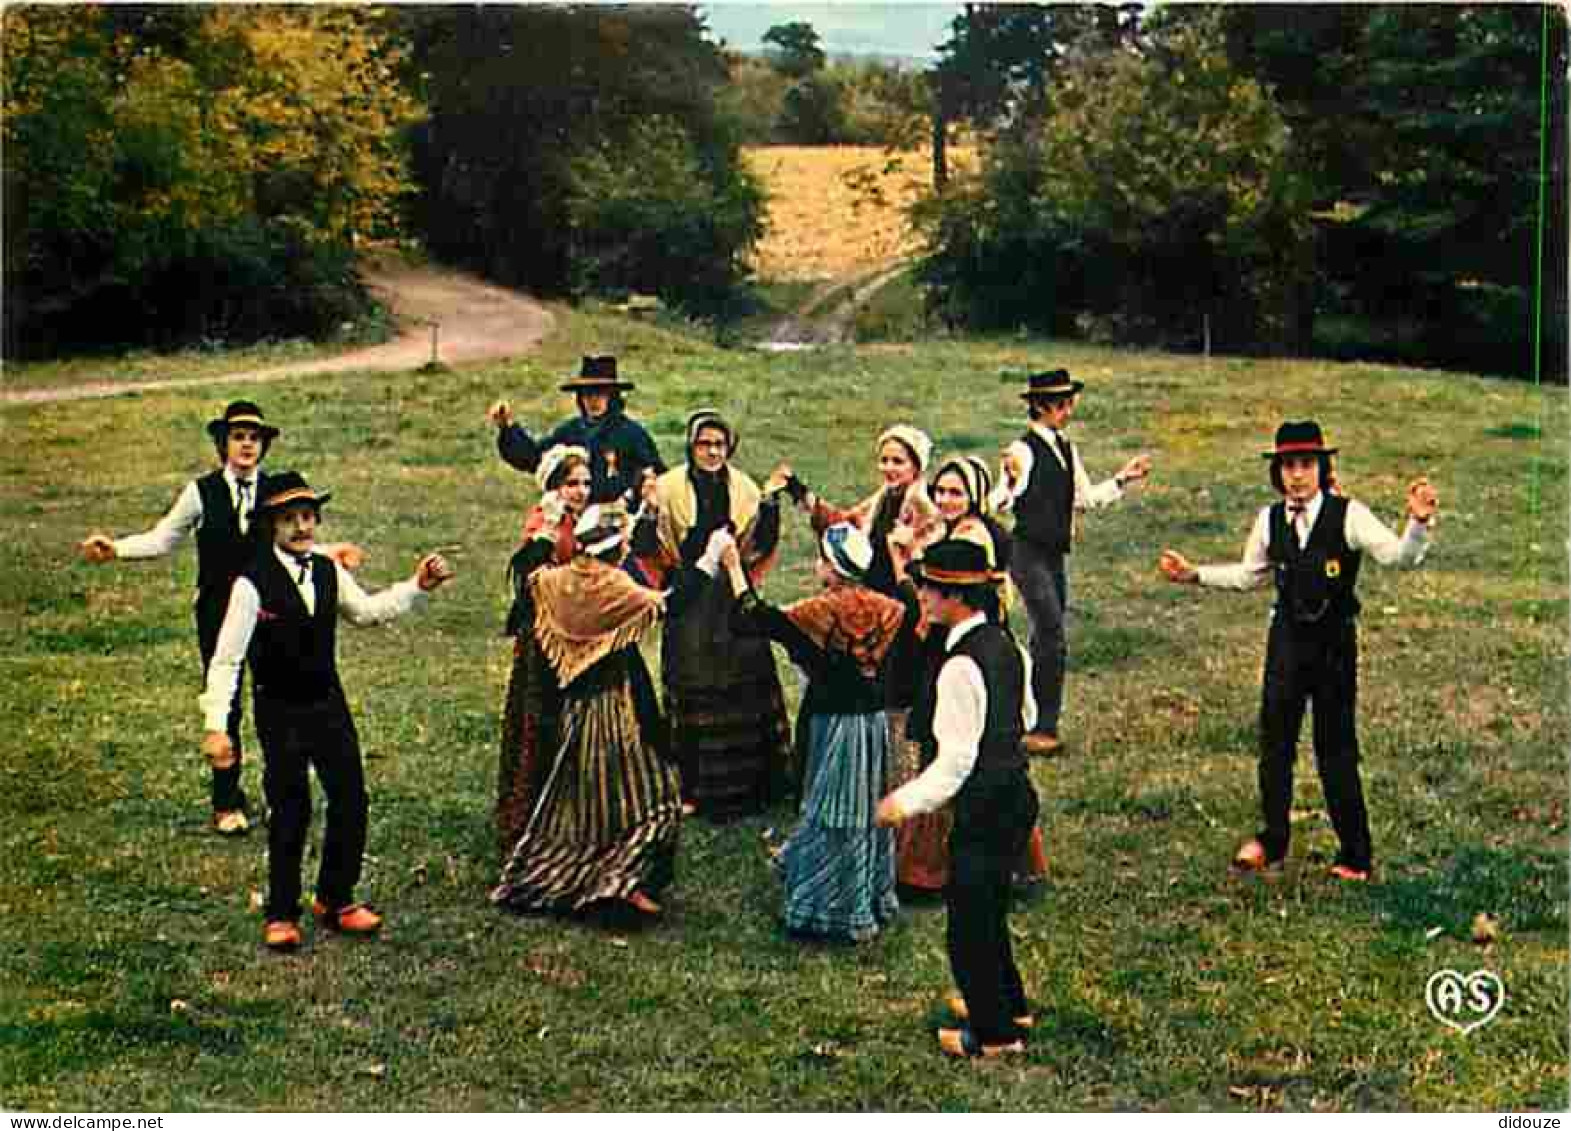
{"x":376,"y":1071}
{"x":1486,"y":929}
{"x":1434,"y":933}
{"x":179,"y":1005}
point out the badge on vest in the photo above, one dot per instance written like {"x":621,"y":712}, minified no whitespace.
{"x":610,"y":463}
{"x":1333,"y":568}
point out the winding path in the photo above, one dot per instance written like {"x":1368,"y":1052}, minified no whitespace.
{"x":476,"y":320}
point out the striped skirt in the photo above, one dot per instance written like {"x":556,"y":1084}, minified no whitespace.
{"x":608,"y":814}
{"x":838,"y":868}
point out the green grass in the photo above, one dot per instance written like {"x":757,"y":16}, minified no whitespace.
{"x":134,"y":978}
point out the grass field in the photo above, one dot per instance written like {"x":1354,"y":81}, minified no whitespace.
{"x":133,"y":972}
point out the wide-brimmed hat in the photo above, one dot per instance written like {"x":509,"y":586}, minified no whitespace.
{"x":1051,"y":383}
{"x":597,"y":375}
{"x":954,"y":562}
{"x":287,"y":489}
{"x":240,"y":412}
{"x":1299,"y":438}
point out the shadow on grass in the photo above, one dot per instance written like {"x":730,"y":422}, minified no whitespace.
{"x":1526,"y":889}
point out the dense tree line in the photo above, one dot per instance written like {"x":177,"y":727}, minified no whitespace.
{"x":178,"y":173}
{"x":1383,"y":180}
{"x":1389,"y":180}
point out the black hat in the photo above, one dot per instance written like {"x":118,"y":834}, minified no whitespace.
{"x":286,"y":489}
{"x":954,"y":561}
{"x":1052,"y":383}
{"x":1299,"y":438}
{"x":240,"y":412}
{"x":597,"y":375}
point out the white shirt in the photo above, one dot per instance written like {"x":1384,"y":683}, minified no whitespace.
{"x":1362,"y":530}
{"x":958,"y":721}
{"x":183,"y":517}
{"x":1088,"y":495}
{"x":354,"y":605}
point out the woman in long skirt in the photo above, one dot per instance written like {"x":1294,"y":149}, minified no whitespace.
{"x":605,"y":823}
{"x":530,"y":710}
{"x":838,"y":868}
{"x":722,"y":691}
{"x":960,"y":490}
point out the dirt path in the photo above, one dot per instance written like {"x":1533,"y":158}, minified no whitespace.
{"x":826,"y":317}
{"x":477,"y":321}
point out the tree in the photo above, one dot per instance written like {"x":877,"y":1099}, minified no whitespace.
{"x":521,"y":94}
{"x":795,"y":49}
{"x":1154,"y":191}
{"x":194,"y":171}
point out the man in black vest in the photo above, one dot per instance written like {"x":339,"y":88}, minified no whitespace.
{"x":282,"y":618}
{"x":621,"y":452}
{"x":1046,"y":485}
{"x":1311,"y":544}
{"x":217,"y":506}
{"x":983,"y":706}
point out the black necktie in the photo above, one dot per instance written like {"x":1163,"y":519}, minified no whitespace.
{"x":1295,"y":511}
{"x":243,"y":486}
{"x":304,"y":562}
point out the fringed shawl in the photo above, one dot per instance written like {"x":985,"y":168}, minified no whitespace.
{"x":678,"y":505}
{"x":853,"y":620}
{"x":586,"y":610}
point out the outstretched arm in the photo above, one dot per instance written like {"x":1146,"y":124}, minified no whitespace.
{"x":163,"y":537}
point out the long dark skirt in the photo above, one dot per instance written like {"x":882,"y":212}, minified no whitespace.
{"x":529,"y":730}
{"x":609,"y":810}
{"x":729,"y":730}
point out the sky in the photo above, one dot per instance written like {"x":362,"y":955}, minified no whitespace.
{"x":889,"y":28}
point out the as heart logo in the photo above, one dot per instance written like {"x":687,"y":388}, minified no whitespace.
{"x":1465,"y":1001}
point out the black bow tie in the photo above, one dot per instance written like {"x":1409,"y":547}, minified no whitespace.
{"x":303,"y":561}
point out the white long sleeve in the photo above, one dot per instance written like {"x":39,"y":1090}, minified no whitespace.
{"x":168,"y":532}
{"x":958,"y":721}
{"x":1361,"y":530}
{"x":1088,"y":495}
{"x":234,"y":637}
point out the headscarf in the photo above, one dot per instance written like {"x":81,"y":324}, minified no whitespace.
{"x":914,"y":440}
{"x":853,"y":620}
{"x":554,"y":459}
{"x":975,"y":478}
{"x":847,"y":551}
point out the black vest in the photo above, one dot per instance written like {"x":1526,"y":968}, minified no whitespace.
{"x":993,"y":650}
{"x":1314,"y":585}
{"x":292,"y":650}
{"x":1045,"y":508}
{"x":222,"y":552}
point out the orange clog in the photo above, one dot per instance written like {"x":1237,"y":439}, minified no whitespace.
{"x":281,"y":934}
{"x":355,"y":919}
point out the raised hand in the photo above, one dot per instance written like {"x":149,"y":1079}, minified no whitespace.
{"x":778,"y":478}
{"x":432,"y":571}
{"x":1175,"y":567}
{"x":500,"y":414}
{"x":98,"y":548}
{"x":346,"y":554}
{"x":1136,"y":469}
{"x":1423,"y":501}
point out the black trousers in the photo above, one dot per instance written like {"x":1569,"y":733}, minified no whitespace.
{"x":1323,"y":667}
{"x":1043,"y":581}
{"x":296,"y":737}
{"x":994,"y":815}
{"x":211,"y":604}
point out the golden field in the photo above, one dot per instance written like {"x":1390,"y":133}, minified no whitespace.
{"x":838,"y":212}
